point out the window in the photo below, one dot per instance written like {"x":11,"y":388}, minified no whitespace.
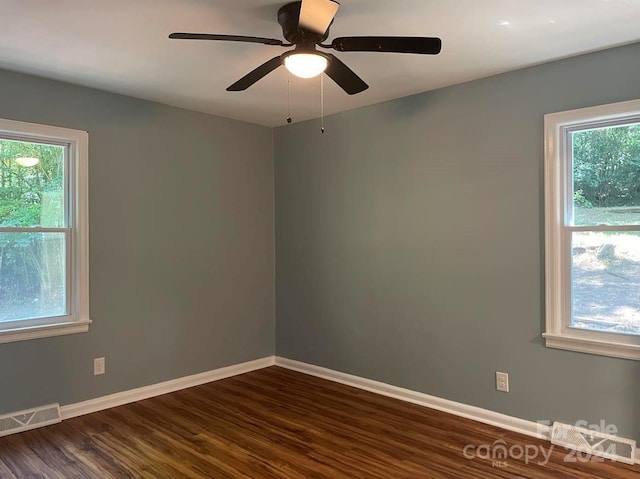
{"x":44,"y":268}
{"x":592,"y":207}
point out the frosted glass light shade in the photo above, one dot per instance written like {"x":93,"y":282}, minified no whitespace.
{"x":306,"y":65}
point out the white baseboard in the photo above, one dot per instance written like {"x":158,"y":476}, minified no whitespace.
{"x":530,"y":428}
{"x":146,"y":392}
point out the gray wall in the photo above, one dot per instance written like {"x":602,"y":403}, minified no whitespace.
{"x":181,"y":238}
{"x":409,"y":244}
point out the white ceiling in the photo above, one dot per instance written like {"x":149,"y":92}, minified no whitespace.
{"x":122,"y":46}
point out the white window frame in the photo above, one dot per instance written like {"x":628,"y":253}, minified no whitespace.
{"x":77,"y":182}
{"x":558,"y":195}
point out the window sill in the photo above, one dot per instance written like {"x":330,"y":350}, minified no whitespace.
{"x":593,"y":346}
{"x":44,"y":331}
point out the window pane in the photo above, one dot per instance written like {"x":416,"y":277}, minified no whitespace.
{"x":32,"y":275}
{"x":606,"y":176}
{"x":606,"y":281}
{"x":31,"y":184}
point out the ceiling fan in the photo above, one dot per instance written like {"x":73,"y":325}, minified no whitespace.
{"x":305,"y":25}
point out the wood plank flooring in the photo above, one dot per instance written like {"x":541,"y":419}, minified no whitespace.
{"x":276,"y":423}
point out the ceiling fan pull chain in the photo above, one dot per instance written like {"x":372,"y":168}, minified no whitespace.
{"x":289,"y":120}
{"x":322,"y":103}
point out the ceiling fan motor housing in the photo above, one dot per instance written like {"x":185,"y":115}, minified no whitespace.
{"x":288,"y":18}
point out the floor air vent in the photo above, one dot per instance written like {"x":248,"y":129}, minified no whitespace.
{"x":593,"y":442}
{"x":30,"y":419}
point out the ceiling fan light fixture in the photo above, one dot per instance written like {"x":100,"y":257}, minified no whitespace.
{"x":306,"y":65}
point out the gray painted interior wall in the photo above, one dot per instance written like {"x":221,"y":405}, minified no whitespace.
{"x":409,"y":244}
{"x":181,"y":245}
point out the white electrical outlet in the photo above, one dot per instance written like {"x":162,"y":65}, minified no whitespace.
{"x":502,"y":382}
{"x":98,"y":366}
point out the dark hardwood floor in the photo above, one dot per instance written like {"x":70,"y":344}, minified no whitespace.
{"x":275,"y":423}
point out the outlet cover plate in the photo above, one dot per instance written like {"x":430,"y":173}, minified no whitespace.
{"x":98,"y":366}
{"x":502,"y":382}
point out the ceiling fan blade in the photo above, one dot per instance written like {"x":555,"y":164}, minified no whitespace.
{"x":344,"y":76}
{"x":227,"y":38}
{"x":317,"y":15}
{"x":420,"y":45}
{"x":255,"y":75}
